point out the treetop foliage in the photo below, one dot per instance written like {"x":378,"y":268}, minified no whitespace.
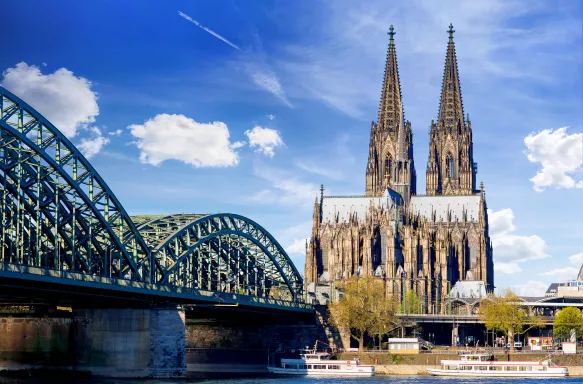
{"x":364,"y":308}
{"x":568,"y":319}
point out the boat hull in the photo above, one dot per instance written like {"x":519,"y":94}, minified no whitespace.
{"x":362,"y":372}
{"x":440,"y":372}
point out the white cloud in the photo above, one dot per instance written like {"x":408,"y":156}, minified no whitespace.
{"x":115,"y":133}
{"x":560,"y":156}
{"x":502,"y":268}
{"x":295,"y":237}
{"x":263,"y":76}
{"x":531,"y":288}
{"x":562,"y":274}
{"x":270,"y":116}
{"x":511,"y":249}
{"x":64,"y":99}
{"x":285,"y":188}
{"x":90,"y":146}
{"x":264,"y":140}
{"x":257,"y":66}
{"x":298,"y":246}
{"x":576,"y":259}
{"x":318,"y":170}
{"x":177,"y":137}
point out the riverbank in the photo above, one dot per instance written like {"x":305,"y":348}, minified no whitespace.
{"x":408,"y":365}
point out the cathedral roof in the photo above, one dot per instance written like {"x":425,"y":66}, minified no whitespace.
{"x":341,"y":208}
{"x":441,"y":205}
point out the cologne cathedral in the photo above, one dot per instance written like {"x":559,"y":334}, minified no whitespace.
{"x":425,"y":243}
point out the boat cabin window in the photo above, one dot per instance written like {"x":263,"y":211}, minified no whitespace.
{"x":495,"y":367}
{"x":481,"y":367}
{"x":309,"y":366}
{"x":465,"y":367}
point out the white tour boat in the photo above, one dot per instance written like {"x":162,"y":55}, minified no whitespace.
{"x":312,"y":363}
{"x":483,"y":365}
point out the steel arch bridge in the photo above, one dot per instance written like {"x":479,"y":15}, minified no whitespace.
{"x":61,"y":222}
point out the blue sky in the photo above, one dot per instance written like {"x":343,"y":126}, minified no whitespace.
{"x":287,"y":105}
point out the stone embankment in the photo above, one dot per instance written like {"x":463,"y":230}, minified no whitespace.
{"x":390,"y":364}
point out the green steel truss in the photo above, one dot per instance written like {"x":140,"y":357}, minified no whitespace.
{"x":58,"y":215}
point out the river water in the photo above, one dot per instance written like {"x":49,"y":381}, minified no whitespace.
{"x":306,"y":380}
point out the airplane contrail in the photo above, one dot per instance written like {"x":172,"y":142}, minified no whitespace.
{"x":208,"y":30}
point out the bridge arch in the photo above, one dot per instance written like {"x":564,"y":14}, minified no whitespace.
{"x":223,"y":252}
{"x":57,"y":213}
{"x":56,"y":205}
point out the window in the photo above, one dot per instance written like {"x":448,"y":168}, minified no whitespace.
{"x":450,"y":161}
{"x":388,"y":166}
{"x":511,"y":368}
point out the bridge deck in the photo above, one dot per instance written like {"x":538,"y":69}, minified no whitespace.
{"x":74,"y":286}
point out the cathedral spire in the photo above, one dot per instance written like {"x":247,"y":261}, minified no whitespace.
{"x":402,"y":147}
{"x":451,"y":114}
{"x":450,"y":167}
{"x":391,"y":107}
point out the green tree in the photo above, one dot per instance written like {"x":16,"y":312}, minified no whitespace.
{"x":411,"y":303}
{"x":568,"y":319}
{"x":363,"y":309}
{"x":504,"y":314}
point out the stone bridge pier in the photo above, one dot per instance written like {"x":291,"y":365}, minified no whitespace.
{"x":131,"y":342}
{"x":110,"y":342}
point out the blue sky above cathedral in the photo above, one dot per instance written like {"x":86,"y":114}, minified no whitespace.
{"x":249,"y":106}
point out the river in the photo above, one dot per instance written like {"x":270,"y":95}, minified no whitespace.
{"x":305,"y":380}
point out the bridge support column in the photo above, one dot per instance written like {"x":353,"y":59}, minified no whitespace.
{"x":454,"y":335}
{"x":132,"y":343}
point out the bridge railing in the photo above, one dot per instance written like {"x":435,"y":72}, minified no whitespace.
{"x":141,"y":288}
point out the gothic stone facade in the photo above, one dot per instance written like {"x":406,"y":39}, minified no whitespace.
{"x":424,"y":243}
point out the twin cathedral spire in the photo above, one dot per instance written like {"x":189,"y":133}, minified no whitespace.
{"x":450,"y":166}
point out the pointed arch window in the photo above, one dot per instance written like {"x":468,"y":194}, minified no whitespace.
{"x":388,"y":167}
{"x":449,"y":166}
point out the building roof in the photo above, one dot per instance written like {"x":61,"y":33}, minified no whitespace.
{"x":552,"y":287}
{"x":468,"y":289}
{"x":340,"y":208}
{"x":459,"y":205}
